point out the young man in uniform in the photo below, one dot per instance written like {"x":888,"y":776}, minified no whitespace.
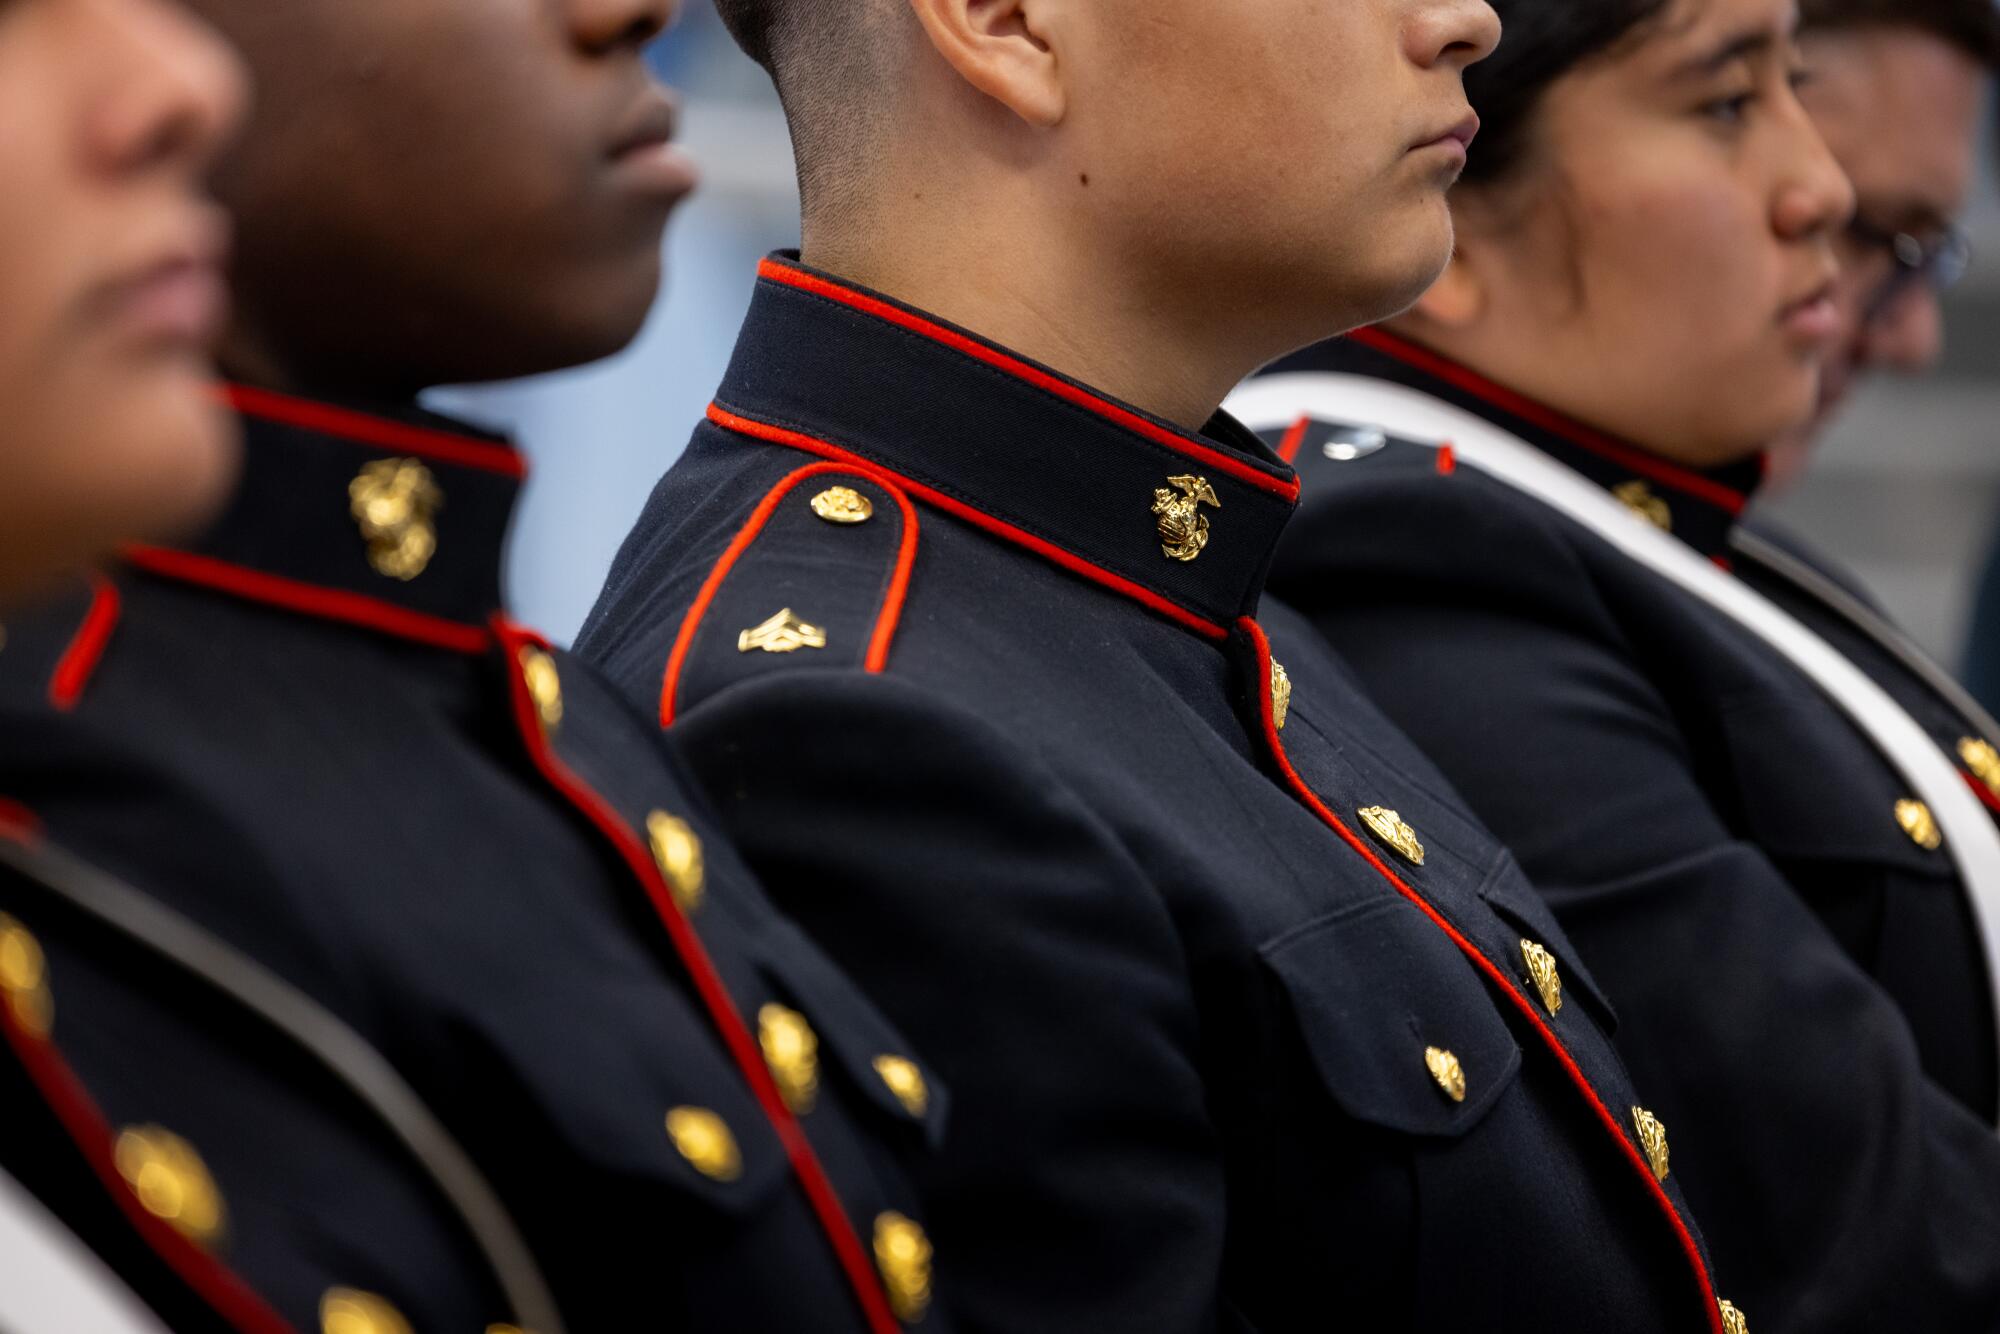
{"x":955,"y":601}
{"x":436,"y":1001}
{"x":1898,"y":89}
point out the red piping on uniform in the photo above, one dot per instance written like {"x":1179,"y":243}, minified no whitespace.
{"x":18,"y":823}
{"x":708,"y":984}
{"x":885,"y":619}
{"x":329,"y":603}
{"x":362,"y":428}
{"x":80,"y":659}
{"x":1447,"y":460}
{"x":1075,"y":564}
{"x":210,"y":1280}
{"x":1021,"y":370}
{"x":1983,"y":792}
{"x":1617,"y":451}
{"x":1288,"y":448}
{"x":1492,"y":971}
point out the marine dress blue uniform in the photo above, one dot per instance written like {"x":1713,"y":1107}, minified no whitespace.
{"x":312,"y":737}
{"x":1249,"y":1024}
{"x":1795,"y":953}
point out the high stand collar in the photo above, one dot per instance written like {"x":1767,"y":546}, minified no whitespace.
{"x":391,"y":518}
{"x":1699,"y":506}
{"x":1185,"y":523}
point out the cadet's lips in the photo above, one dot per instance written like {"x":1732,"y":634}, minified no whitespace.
{"x":643,"y":150}
{"x":177,"y":295}
{"x":1814,"y":317}
{"x":1456,"y":139}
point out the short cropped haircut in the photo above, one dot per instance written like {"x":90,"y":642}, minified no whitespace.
{"x":1973,"y":26}
{"x":826,"y":58}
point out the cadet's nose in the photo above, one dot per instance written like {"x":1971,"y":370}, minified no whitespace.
{"x":1460,"y":33}
{"x":605,"y":25}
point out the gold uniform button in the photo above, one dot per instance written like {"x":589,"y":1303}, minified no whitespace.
{"x":1983,"y":760}
{"x":352,"y":1311}
{"x":903,"y":1254}
{"x":24,"y":979}
{"x":171,"y":1181}
{"x":791,"y":1049}
{"x":1733,"y":1321}
{"x":1918,"y":822}
{"x":843,"y":505}
{"x":544,"y":683}
{"x":705,"y":1141}
{"x":1281,"y":694}
{"x":1652,"y":1141}
{"x":1446,"y":1070}
{"x":677,"y":852}
{"x":1183,"y":528}
{"x":1542,"y":972}
{"x":1390,"y":829}
{"x":395,"y":503}
{"x":906,"y":1082}
{"x":784,"y":632}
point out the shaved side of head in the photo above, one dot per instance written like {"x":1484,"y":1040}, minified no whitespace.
{"x":836,"y":67}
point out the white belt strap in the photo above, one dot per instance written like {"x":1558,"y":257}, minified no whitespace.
{"x":1971,"y":840}
{"x":51,"y":1283}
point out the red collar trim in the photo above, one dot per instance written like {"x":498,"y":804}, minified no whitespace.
{"x":379,"y":432}
{"x":777,"y":272}
{"x":1583,"y":437}
{"x":1069,"y":560}
{"x":331,"y":604}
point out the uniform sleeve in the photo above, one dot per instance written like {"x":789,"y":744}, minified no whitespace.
{"x":1808,"y":1139}
{"x":1014,"y":940}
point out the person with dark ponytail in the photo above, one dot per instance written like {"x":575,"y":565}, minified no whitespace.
{"x":1519,"y":502}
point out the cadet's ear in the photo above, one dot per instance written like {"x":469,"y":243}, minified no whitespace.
{"x":1457,"y":299}
{"x":1004,"y":48}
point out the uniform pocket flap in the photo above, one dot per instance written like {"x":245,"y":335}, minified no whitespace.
{"x":1519,"y":904}
{"x":1399,"y":1026}
{"x":871,"y":1056}
{"x":637,"y":1089}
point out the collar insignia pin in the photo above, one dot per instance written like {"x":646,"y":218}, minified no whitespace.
{"x":1183,"y":527}
{"x":395,"y":502}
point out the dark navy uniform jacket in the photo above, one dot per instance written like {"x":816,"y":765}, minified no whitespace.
{"x":1249,"y":1024}
{"x":111,"y":1039}
{"x":312,"y":735}
{"x":1799,"y":975}
{"x":1826,"y":597}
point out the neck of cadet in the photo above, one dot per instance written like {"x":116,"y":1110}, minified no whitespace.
{"x":1038,"y":277}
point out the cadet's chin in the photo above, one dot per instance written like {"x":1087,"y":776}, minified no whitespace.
{"x":1403,"y":263}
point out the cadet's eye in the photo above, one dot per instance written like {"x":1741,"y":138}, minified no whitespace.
{"x":1730,"y":110}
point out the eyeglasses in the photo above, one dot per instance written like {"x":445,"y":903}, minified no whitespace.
{"x":1940,"y":262}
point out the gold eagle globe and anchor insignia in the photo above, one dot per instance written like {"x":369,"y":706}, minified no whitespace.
{"x":1183,"y":527}
{"x":395,"y":503}
{"x":1637,"y":497}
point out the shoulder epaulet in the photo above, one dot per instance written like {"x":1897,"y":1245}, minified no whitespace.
{"x":49,"y":653}
{"x":815,"y":578}
{"x":1312,"y":444}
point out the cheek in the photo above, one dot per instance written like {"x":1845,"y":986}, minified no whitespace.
{"x":1670,"y":255}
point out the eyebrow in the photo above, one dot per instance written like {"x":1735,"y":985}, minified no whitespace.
{"x":1743,"y":46}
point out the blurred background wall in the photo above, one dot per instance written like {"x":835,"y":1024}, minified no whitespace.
{"x":1907,"y":492}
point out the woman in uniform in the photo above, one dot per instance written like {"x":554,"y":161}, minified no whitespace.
{"x":1518,"y":506}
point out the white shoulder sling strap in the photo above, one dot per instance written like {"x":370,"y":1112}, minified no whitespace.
{"x":51,"y":1283}
{"x":1971,"y":839}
